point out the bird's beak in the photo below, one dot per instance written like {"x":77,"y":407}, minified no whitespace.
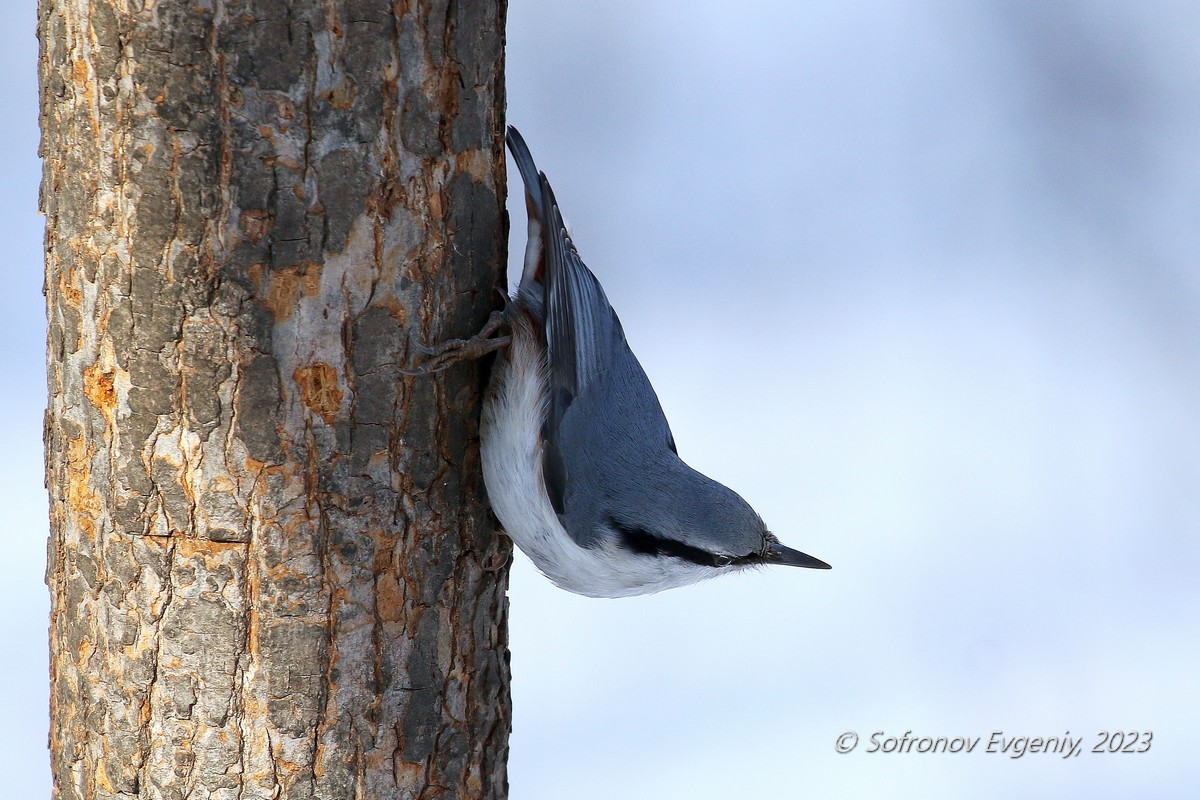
{"x":781,"y":554}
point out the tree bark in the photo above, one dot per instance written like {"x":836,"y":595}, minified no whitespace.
{"x":272,"y":570}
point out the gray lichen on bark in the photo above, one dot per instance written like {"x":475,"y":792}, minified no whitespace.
{"x":271,"y":565}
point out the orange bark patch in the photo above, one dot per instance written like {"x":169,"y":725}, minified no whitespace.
{"x":389,"y":598}
{"x":81,"y":74}
{"x":98,"y":386}
{"x":342,"y":95}
{"x":67,"y":288}
{"x":319,"y":390}
{"x":85,"y":650}
{"x":205,"y":550}
{"x":393,"y":306}
{"x":255,"y":271}
{"x":409,"y":773}
{"x":102,"y":777}
{"x":83,"y":502}
{"x":288,"y":285}
{"x":256,"y":223}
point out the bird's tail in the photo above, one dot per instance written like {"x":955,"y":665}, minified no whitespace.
{"x":532,"y":274}
{"x":529,"y":171}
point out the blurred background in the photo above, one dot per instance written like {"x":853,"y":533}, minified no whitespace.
{"x":920,"y":280}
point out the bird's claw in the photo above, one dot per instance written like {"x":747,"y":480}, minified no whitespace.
{"x":451,"y":351}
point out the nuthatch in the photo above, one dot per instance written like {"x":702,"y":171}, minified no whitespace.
{"x":579,"y":462}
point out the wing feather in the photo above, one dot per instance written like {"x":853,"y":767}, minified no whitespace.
{"x":581,"y":328}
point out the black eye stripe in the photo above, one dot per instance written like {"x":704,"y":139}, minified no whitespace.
{"x":639,"y":540}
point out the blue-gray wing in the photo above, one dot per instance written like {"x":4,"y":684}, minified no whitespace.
{"x":582,"y":331}
{"x":604,"y":423}
{"x":604,"y":430}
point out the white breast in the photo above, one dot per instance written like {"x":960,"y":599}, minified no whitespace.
{"x":510,"y":441}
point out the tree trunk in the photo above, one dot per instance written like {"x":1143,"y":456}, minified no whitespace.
{"x":272,"y":570}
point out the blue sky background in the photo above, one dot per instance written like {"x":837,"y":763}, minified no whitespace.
{"x":920,"y":280}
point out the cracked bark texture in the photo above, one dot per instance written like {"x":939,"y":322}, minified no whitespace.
{"x":272,"y":570}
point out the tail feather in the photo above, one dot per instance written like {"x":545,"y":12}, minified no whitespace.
{"x":529,"y":170}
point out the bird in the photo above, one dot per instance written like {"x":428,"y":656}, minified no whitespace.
{"x":579,"y":462}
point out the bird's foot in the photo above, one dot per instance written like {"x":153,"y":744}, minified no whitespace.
{"x":452,"y":351}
